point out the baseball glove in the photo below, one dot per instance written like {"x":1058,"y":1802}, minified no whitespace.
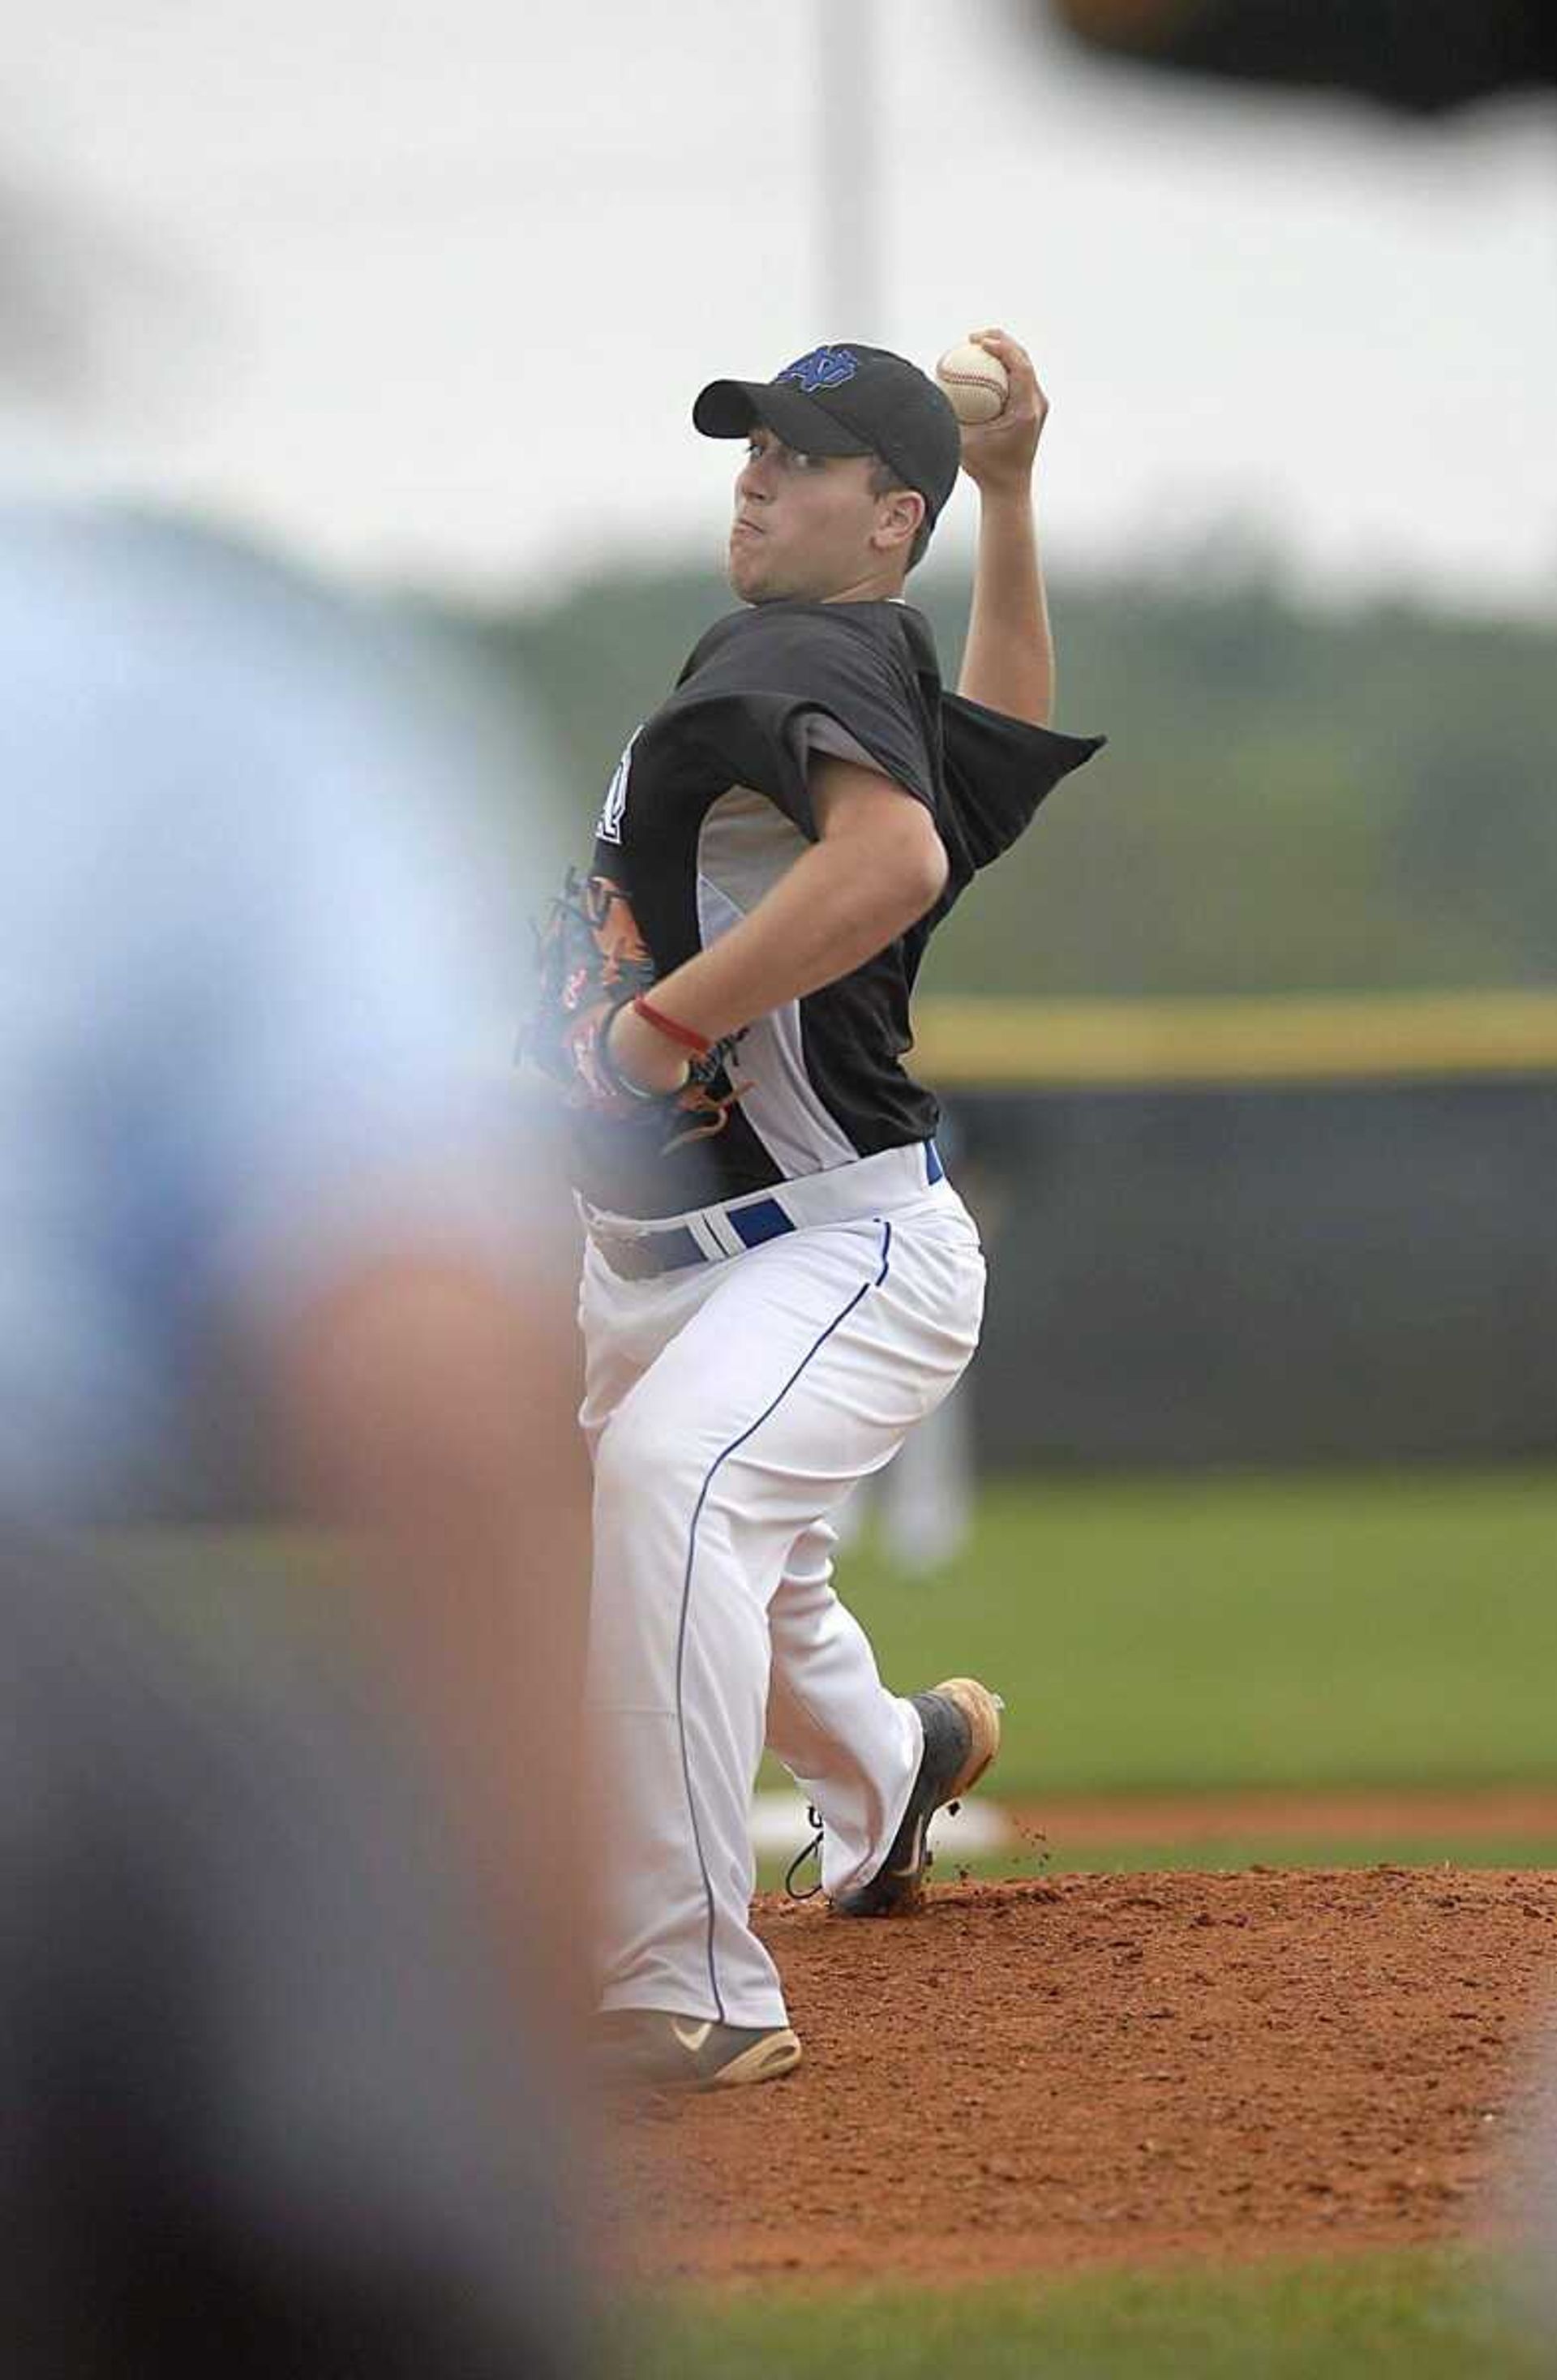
{"x":592,"y":960}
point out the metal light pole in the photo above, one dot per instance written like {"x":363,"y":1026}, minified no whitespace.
{"x":847,"y":182}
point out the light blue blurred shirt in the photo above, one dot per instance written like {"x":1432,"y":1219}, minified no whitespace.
{"x":260,"y":956}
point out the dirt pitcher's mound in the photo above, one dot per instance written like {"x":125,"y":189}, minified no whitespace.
{"x":1037,"y":2074}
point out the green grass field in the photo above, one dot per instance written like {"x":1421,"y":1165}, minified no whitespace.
{"x":1176,"y":1634}
{"x":1198,"y":1636}
{"x":1182,"y":1633}
{"x":1428,"y":2316}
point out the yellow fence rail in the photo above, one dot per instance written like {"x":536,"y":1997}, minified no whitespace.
{"x":1317,"y":1037}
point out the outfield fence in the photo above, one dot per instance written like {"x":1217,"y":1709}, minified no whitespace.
{"x":1259,"y":1232}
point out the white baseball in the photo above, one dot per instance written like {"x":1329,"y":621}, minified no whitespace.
{"x":975,"y":381}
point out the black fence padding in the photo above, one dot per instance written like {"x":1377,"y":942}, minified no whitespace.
{"x":1266,"y":1276}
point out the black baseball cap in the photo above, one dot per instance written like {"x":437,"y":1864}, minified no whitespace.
{"x":848,"y":399}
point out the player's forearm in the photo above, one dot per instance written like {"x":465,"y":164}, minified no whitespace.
{"x":1009,"y":661}
{"x":838,"y":906}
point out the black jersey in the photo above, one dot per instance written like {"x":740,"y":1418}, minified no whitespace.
{"x":709,"y":806}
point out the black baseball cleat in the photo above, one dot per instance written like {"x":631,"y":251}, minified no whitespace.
{"x":645,"y":2049}
{"x":961,"y":1737}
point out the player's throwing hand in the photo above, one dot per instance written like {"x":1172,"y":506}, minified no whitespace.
{"x":1000,"y":453}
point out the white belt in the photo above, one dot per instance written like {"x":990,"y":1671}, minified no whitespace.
{"x":638,"y":1249}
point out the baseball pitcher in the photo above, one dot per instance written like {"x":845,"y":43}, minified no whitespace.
{"x":779,"y":1280}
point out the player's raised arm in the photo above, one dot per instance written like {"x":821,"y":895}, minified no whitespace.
{"x":1009,"y":661}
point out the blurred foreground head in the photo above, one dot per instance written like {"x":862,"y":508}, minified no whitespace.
{"x":253,"y":1037}
{"x":257,"y":1148}
{"x":1406,"y":56}
{"x":258,"y":978}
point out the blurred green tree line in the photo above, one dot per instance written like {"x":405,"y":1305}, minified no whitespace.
{"x":1292,"y":799}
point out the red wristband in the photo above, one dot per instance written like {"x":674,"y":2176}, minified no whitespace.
{"x":683,"y":1034}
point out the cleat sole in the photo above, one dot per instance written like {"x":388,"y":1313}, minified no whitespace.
{"x":765,"y":2061}
{"x":981,"y":1710}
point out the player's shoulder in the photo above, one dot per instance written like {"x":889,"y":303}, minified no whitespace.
{"x":890,"y":634}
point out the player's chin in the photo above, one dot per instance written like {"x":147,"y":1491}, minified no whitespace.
{"x":753,"y":586}
{"x":749,"y":567}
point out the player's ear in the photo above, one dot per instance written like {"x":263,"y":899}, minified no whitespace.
{"x":898,"y":516}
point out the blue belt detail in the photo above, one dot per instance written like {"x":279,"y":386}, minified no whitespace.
{"x":764,"y":1219}
{"x":643,"y":1256}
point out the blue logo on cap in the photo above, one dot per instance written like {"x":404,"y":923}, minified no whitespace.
{"x":823,"y":368}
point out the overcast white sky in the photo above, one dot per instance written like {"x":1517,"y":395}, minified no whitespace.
{"x":427,"y":291}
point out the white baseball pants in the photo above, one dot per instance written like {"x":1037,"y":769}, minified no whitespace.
{"x":730,"y":1406}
